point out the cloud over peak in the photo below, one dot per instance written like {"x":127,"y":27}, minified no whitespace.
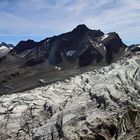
{"x":41,"y":18}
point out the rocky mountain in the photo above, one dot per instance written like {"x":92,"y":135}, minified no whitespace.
{"x":134,"y":47}
{"x":101,"y":104}
{"x":80,"y":85}
{"x":5,"y":48}
{"x":81,"y":45}
{"x":57,"y":57}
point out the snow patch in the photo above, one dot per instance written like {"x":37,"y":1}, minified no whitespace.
{"x":26,"y":53}
{"x":58,"y":68}
{"x":104,"y":37}
{"x":42,"y":81}
{"x":70,"y":53}
{"x":4,"y":50}
{"x":104,"y":48}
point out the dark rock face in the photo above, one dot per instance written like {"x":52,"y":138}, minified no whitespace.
{"x":87,"y":57}
{"x":134,"y":48}
{"x":76,"y":41}
{"x":25,"y":45}
{"x":113,"y":44}
{"x":81,"y":44}
{"x":35,"y":56}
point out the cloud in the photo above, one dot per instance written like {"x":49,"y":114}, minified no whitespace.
{"x":41,"y":18}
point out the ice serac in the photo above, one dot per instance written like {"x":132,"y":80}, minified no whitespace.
{"x":102,"y":104}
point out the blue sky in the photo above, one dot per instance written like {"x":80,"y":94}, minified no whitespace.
{"x":38,"y":19}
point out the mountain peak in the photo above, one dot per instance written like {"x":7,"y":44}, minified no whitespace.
{"x":5,"y":48}
{"x":6,"y":45}
{"x":81,"y":28}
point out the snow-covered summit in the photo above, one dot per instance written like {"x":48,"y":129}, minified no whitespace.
{"x":5,"y":48}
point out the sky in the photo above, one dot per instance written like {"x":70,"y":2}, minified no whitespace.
{"x":38,"y":19}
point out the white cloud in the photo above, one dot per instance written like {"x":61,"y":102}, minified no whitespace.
{"x":45,"y":17}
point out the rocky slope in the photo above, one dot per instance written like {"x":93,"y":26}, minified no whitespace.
{"x":103,"y":104}
{"x":57,"y":57}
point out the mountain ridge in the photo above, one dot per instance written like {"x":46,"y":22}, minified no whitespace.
{"x":5,"y":49}
{"x":81,"y":38}
{"x":58,"y":57}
